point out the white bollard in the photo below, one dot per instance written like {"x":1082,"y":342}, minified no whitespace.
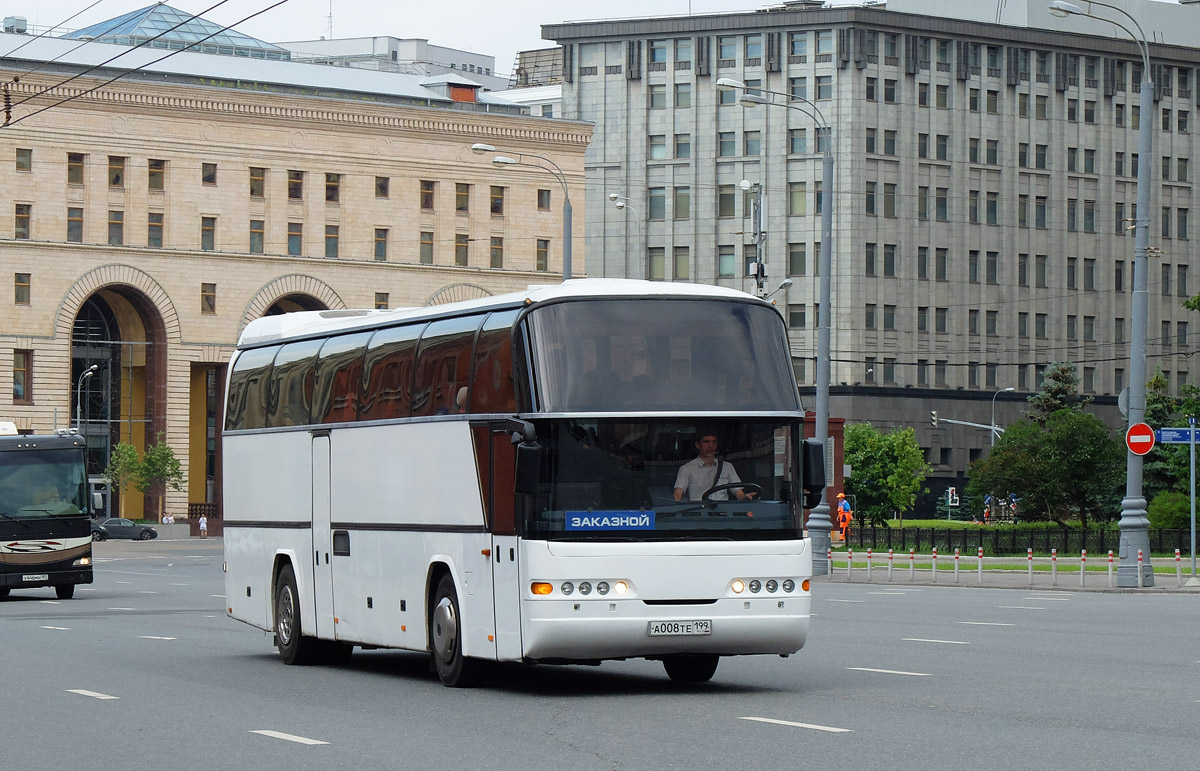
{"x":933,"y":566}
{"x":956,"y":564}
{"x":829,"y":560}
{"x":1178,"y":570}
{"x":1029,"y":552}
{"x":1054,"y":567}
{"x":1110,"y":569}
{"x":1141,"y":576}
{"x":889,"y":566}
{"x":849,"y":564}
{"x":1082,"y":566}
{"x":868,"y":566}
{"x":980,"y":566}
{"x":911,"y":565}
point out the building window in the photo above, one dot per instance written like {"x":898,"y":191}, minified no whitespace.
{"x":208,"y":233}
{"x":381,"y":301}
{"x":295,"y":240}
{"x":208,"y":298}
{"x":24,"y":159}
{"x":381,"y":244}
{"x":333,"y":188}
{"x":657,"y":97}
{"x":258,"y":182}
{"x":497,"y":260}
{"x":208,"y":173}
{"x":116,"y":228}
{"x":295,"y":185}
{"x":543,"y":200}
{"x":21,"y":284}
{"x":382,"y":187}
{"x":116,"y":171}
{"x":22,"y":226}
{"x":657,"y":208}
{"x":542,"y":254}
{"x":726,"y":260}
{"x":824,"y":87}
{"x":752,"y":143}
{"x":683,"y":145}
{"x":462,"y":197}
{"x":74,"y":168}
{"x":426,"y":250}
{"x":797,"y":259}
{"x":658,"y":147}
{"x":156,"y":179}
{"x":256,"y":236}
{"x":75,"y":225}
{"x":683,"y":95}
{"x":462,"y":243}
{"x":726,"y":198}
{"x":331,"y":241}
{"x":154,"y":230}
{"x":497,"y":200}
{"x":726,"y":144}
{"x":797,"y":200}
{"x":22,"y":377}
{"x":682,"y":208}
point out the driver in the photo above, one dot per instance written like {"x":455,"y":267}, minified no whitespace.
{"x":706,"y":471}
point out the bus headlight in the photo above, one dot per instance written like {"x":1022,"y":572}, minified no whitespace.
{"x":772,"y":585}
{"x":585,"y":587}
{"x":602,"y":587}
{"x":620,"y":587}
{"x":567,"y":587}
{"x":755,"y":585}
{"x":789,"y":585}
{"x":738,"y":586}
{"x":82,"y":562}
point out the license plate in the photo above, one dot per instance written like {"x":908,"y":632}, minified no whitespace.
{"x":672,"y":628}
{"x":36,"y":577}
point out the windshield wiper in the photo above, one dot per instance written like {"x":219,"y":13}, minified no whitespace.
{"x":14,"y":519}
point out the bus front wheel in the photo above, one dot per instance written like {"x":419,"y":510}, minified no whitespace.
{"x":294,"y":647}
{"x":445,"y":638}
{"x":691,"y":667}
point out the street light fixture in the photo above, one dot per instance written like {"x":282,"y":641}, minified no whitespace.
{"x":1134,"y":524}
{"x":500,"y":161}
{"x":819,"y":522}
{"x":78,"y":390}
{"x":993,"y":424}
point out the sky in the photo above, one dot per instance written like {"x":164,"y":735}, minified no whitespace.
{"x":497,"y":28}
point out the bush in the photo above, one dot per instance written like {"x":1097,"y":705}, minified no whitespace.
{"x":1170,"y":510}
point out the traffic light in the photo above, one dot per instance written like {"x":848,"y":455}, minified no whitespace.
{"x":933,"y":418}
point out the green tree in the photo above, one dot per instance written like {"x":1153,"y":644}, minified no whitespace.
{"x":888,"y":470}
{"x":1015,"y":466}
{"x":1060,"y":390}
{"x":1164,"y":467}
{"x":1170,"y":510}
{"x":160,"y":470}
{"x":123,"y":469}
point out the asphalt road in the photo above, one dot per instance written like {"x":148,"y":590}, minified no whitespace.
{"x":142,"y":670}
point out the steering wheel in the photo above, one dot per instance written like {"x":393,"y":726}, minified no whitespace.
{"x":749,"y":487}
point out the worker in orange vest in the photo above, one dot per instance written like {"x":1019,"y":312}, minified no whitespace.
{"x":845,"y":515}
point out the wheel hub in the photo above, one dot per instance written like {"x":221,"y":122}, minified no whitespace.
{"x":445,"y":629}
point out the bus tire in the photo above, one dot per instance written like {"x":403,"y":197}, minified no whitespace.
{"x":691,"y":667}
{"x":65,"y":591}
{"x":445,"y":638}
{"x":294,"y":647}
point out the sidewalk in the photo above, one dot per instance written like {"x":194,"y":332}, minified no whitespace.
{"x":1016,"y":576}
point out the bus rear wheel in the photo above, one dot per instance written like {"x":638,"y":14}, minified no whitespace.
{"x":691,"y":667}
{"x":65,"y":591}
{"x":294,"y":647}
{"x":445,"y":638}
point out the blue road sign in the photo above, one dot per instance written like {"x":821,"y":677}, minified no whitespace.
{"x":1175,"y":435}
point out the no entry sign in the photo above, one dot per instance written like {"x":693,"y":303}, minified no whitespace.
{"x":1139,"y":439}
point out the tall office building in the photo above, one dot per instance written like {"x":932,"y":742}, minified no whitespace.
{"x":983,"y":194}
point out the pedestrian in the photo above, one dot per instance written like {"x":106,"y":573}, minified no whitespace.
{"x":203,"y":526}
{"x":845,"y":515}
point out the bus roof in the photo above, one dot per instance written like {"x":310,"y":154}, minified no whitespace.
{"x":272,"y":329}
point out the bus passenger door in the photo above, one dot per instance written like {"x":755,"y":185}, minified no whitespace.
{"x":497,"y":465}
{"x":321,"y":537}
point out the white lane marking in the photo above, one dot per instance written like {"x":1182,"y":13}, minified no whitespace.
{"x":152,"y":637}
{"x":147,"y":591}
{"x":890,"y":672}
{"x":58,"y":628}
{"x":124,"y":582}
{"x":92,"y":694}
{"x":944,"y":642}
{"x":180,"y":584}
{"x":87,"y":588}
{"x":120,"y":608}
{"x":829,"y":600}
{"x":217,"y":595}
{"x":829,"y":729}
{"x":888,"y":594}
{"x":1048,"y":599}
{"x":50,"y":602}
{"x":985,"y":623}
{"x":289,"y":737}
{"x":1020,"y":607}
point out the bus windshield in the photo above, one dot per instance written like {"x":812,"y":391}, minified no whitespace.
{"x":617,"y":479}
{"x":42,"y":483}
{"x":635,"y":355}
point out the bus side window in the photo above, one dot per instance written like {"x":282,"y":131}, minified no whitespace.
{"x":338,"y":376}
{"x":289,"y":397}
{"x":443,"y":365}
{"x":387,"y":373}
{"x":248,"y":389}
{"x":492,"y":386}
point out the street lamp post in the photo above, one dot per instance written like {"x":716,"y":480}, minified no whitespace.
{"x":1134,"y":525}
{"x":819,"y":522}
{"x":78,"y":390}
{"x":553,"y":169}
{"x":993,"y":424}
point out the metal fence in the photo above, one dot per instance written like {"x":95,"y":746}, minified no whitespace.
{"x":1000,"y":541}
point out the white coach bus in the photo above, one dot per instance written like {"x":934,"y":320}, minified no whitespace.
{"x":495,"y":480}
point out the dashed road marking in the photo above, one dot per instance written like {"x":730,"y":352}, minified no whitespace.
{"x":1020,"y":607}
{"x":812,"y":726}
{"x":120,"y":608}
{"x":58,"y":628}
{"x":153,"y":637}
{"x":288,"y":737}
{"x":985,"y":623}
{"x":92,"y":694}
{"x":50,"y":602}
{"x":944,"y":642}
{"x":890,"y":672}
{"x":1048,"y":599}
{"x":830,"y":600}
{"x":888,"y":594}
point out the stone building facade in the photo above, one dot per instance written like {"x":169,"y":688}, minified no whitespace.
{"x":152,"y":219}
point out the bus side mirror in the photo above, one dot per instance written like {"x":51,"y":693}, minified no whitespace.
{"x":97,"y":503}
{"x":528,"y":467}
{"x":813,"y":460}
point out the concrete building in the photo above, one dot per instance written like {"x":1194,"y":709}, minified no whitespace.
{"x":984,"y":185}
{"x":154,"y":216}
{"x":415,"y":56}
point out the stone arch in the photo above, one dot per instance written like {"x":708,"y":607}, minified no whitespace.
{"x":152,"y":295}
{"x":457,"y":292}
{"x":291,"y":284}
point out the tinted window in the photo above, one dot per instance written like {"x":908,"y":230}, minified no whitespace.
{"x":338,"y":378}
{"x":289,"y":396}
{"x":633,"y":354}
{"x":388,"y":373}
{"x":444,"y":367}
{"x":492,"y":386}
{"x":247,"y":406}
